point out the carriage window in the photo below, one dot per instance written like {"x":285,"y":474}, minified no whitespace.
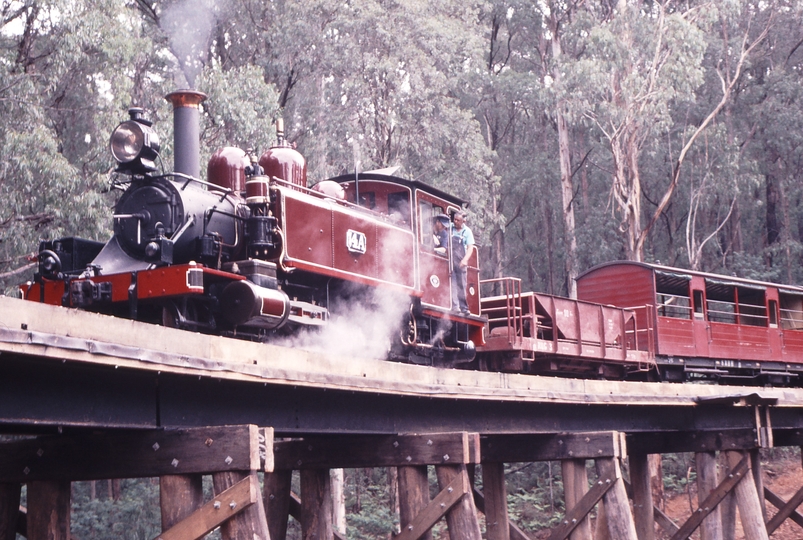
{"x":672,"y":295}
{"x":721,"y":304}
{"x":752,"y":307}
{"x":791,"y":311}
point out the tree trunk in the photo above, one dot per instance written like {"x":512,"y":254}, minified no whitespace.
{"x":773,"y":227}
{"x":635,"y":236}
{"x":550,"y":246}
{"x":657,"y":480}
{"x":393,"y":487}
{"x":564,"y":155}
{"x":338,"y":500}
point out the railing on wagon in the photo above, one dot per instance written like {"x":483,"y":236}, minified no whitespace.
{"x":679,"y":307}
{"x":510,"y":315}
{"x":791,"y":319}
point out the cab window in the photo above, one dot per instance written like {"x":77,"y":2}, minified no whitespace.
{"x":427,"y":212}
{"x":399,"y":207}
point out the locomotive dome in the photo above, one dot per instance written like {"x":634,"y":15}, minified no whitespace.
{"x":226,"y":168}
{"x":283,"y":161}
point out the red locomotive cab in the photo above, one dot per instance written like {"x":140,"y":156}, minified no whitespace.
{"x":226,"y":168}
{"x":283,"y":161}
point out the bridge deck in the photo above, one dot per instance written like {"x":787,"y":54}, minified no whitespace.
{"x":60,"y":366}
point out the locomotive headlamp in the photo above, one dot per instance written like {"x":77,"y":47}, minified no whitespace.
{"x":134,"y":144}
{"x":49,"y":264}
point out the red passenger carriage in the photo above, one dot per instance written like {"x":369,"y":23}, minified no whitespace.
{"x":707,"y":325}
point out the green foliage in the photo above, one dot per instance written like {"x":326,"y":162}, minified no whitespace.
{"x":239,"y":109}
{"x":535,"y":494}
{"x":374,"y":520}
{"x":368,"y":509}
{"x":134,"y":516}
{"x":678,"y":472}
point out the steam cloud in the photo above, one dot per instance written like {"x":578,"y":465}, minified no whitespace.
{"x":188,"y":24}
{"x":362,"y":325}
{"x":363,"y":320}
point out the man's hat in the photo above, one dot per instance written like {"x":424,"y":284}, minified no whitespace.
{"x":443,"y":218}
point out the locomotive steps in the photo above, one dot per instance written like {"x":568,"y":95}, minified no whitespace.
{"x":37,"y":330}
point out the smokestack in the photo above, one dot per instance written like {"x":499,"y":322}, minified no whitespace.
{"x":186,"y":131}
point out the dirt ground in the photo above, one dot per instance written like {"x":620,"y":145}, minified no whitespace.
{"x":782,"y":475}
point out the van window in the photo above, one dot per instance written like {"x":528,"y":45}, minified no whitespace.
{"x":791,"y":311}
{"x":721,"y":302}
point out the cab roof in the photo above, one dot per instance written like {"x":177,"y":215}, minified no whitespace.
{"x":412,"y":184}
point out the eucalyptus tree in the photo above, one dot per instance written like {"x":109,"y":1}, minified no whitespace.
{"x":638,"y":64}
{"x":386,"y":84}
{"x":767,"y":122}
{"x":524,"y":125}
{"x":60,"y":71}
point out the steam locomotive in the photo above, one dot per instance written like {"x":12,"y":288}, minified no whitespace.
{"x":253,"y":253}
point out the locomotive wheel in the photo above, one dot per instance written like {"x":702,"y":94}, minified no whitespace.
{"x":185,"y":314}
{"x":173,"y":316}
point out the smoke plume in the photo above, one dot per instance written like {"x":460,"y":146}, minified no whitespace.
{"x":188,"y":24}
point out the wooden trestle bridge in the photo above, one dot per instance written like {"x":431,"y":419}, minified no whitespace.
{"x":105,"y":398}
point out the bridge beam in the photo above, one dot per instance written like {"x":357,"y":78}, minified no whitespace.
{"x":747,"y":500}
{"x":462,"y":517}
{"x":250,"y":523}
{"x":48,"y":464}
{"x":642,"y":495}
{"x":495,"y":501}
{"x":180,"y":495}
{"x":315,"y":455}
{"x":414,"y":494}
{"x":277,"y":497}
{"x":133,"y":454}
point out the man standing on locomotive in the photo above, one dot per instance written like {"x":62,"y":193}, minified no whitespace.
{"x":462,"y":247}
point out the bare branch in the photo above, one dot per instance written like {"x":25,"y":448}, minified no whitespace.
{"x":17,"y":271}
{"x":727,"y":90}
